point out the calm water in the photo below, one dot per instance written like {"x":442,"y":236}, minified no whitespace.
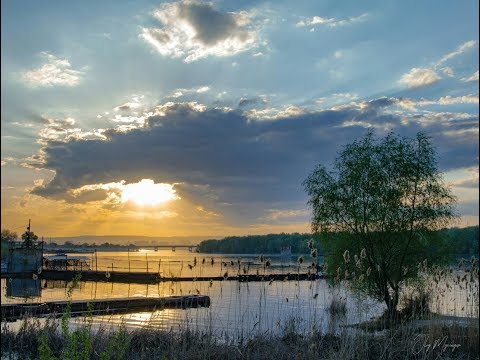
{"x":237,"y":309}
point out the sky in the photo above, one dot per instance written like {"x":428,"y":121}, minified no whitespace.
{"x":203,"y":118}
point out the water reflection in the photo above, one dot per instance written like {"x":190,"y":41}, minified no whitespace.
{"x":238,"y":309}
{"x":185,"y":263}
{"x":31,"y":289}
{"x":23,"y":288}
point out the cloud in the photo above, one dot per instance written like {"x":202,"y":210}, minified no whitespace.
{"x":272,"y":113}
{"x":252,"y":102}
{"x":460,"y":50}
{"x":332,"y":22}
{"x":419,"y":77}
{"x":469,"y":181}
{"x":134,"y":104}
{"x":177,"y":93}
{"x":413,"y":104}
{"x":466,"y":99}
{"x":8,"y":160}
{"x":56,"y":72}
{"x":63,"y":130}
{"x":57,"y":129}
{"x":473,"y":77}
{"x":115,"y":194}
{"x":186,"y":142}
{"x":232,"y":162}
{"x":196,"y":30}
{"x":447,"y":71}
{"x":203,"y":89}
{"x":26,"y":125}
{"x":279,"y":214}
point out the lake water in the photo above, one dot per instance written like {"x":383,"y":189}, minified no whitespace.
{"x":237,"y":309}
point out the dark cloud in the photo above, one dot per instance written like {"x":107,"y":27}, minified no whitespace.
{"x":250,"y":103}
{"x":211,"y":25}
{"x":208,"y":32}
{"x":226,"y":159}
{"x":41,"y":119}
{"x":381,"y":102}
{"x":243,"y":103}
{"x":123,"y":107}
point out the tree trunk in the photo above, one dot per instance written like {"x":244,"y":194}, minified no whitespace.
{"x":392,"y":301}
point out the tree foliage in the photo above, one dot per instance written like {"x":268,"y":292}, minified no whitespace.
{"x":8,"y":235}
{"x":28,"y":238}
{"x":378,"y":211}
{"x":257,"y":244}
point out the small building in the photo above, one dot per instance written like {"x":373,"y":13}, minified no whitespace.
{"x":66,"y":262}
{"x":24,"y":257}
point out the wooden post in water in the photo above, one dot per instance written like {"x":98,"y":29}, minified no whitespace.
{"x":128,"y":259}
{"x":146,"y":259}
{"x":112,"y":268}
{"x":41,"y":259}
{"x":159,"y":261}
{"x":96,"y":261}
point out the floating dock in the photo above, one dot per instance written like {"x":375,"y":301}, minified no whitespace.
{"x":12,"y":312}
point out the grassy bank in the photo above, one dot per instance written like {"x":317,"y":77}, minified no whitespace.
{"x":412,"y":340}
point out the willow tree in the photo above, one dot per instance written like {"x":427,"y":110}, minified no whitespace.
{"x":377,"y":212}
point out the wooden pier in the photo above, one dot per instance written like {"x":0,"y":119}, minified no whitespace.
{"x":12,"y":312}
{"x":154,"y":278}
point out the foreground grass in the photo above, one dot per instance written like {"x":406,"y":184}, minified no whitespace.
{"x":47,"y":340}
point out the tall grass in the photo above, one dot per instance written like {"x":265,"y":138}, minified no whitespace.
{"x":432,"y":341}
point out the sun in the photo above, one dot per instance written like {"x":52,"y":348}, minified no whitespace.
{"x":147,"y":193}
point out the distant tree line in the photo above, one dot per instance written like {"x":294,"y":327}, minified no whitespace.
{"x":460,"y":242}
{"x":258,"y":244}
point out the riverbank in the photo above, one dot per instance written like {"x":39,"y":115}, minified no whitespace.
{"x":435,"y":340}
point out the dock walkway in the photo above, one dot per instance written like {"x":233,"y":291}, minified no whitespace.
{"x":12,"y":312}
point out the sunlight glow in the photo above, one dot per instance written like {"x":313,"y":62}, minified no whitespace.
{"x":146,"y":192}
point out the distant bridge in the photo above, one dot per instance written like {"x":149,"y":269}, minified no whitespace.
{"x":191,"y":248}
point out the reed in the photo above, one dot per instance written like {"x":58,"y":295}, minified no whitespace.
{"x":430,"y":341}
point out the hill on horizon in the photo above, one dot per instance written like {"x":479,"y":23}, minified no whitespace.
{"x":126,"y":239}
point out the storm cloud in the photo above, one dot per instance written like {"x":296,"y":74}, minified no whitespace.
{"x":224,"y":158}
